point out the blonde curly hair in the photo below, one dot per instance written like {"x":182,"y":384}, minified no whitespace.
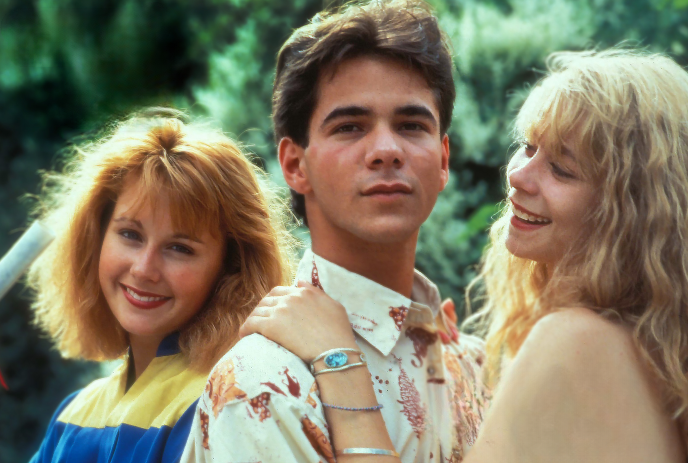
{"x":211,"y":184}
{"x":625,"y":115}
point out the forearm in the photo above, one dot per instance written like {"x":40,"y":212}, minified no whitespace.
{"x":354,"y":429}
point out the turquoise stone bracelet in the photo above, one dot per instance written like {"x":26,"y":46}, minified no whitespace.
{"x":337,"y":360}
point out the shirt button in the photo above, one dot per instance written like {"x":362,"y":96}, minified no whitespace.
{"x":431,"y":371}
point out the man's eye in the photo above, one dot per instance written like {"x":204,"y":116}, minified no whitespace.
{"x":347,"y":128}
{"x":412,"y":126}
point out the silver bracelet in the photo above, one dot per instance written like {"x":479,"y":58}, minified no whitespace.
{"x":336,"y":360}
{"x":345,"y":367}
{"x":367,"y":451}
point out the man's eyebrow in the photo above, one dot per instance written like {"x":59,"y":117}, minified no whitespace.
{"x":416,"y":110}
{"x":344,"y":111}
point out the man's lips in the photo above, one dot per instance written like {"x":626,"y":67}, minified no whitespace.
{"x":387,"y":189}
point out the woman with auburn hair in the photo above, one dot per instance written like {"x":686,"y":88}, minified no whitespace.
{"x":165,"y":243}
{"x":586,"y":275}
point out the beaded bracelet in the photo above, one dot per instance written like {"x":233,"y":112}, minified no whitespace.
{"x":354,"y":409}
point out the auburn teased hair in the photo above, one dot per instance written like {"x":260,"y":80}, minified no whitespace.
{"x":624,"y":114}
{"x":211,"y":185}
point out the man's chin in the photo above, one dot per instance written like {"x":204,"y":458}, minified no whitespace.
{"x":387,"y":231}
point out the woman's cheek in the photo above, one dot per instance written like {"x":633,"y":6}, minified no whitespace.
{"x":190,"y":284}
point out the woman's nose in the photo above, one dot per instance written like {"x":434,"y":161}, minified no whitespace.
{"x":522,"y":173}
{"x":145,"y":266}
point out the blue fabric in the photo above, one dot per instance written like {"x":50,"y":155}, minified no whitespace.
{"x":149,"y":423}
{"x":67,"y":443}
{"x":169,"y":345}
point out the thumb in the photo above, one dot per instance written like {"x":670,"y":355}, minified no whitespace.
{"x":304,"y":284}
{"x":449,"y":309}
{"x":251,"y":325}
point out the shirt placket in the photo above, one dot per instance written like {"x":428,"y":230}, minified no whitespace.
{"x":421,"y":316}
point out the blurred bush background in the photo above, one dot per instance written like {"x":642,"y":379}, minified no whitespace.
{"x":69,"y":66}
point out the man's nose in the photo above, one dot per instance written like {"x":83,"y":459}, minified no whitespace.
{"x":385,"y":149}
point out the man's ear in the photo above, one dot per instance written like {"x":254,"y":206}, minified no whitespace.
{"x":292,"y":162}
{"x":445,"y":161}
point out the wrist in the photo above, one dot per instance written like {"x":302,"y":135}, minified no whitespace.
{"x":331,"y":343}
{"x":337,"y":360}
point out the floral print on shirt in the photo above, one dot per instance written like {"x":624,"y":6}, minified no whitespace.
{"x":466,"y":404}
{"x":318,"y":440}
{"x":427,"y":379}
{"x":222,"y":387}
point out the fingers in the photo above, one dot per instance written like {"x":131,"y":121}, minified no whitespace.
{"x":262,"y":311}
{"x":304,"y":284}
{"x":282,"y":291}
{"x":449,"y":309}
{"x":251,"y":325}
{"x":268,"y":301}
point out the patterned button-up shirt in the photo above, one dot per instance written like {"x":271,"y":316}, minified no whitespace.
{"x":261,"y":403}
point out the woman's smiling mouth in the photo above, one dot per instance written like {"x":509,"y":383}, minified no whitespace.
{"x":143,"y":299}
{"x":524,"y":219}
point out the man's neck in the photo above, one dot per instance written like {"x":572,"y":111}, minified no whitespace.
{"x":391,"y":265}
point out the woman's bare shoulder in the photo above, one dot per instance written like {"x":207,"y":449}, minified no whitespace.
{"x":577,"y":387}
{"x":579,"y":334}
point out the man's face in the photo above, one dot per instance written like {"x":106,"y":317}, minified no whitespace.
{"x":375,"y":162}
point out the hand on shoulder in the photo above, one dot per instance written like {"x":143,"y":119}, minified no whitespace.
{"x":302,"y":319}
{"x":577,"y":391}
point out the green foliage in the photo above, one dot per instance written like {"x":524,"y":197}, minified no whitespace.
{"x":500,"y":49}
{"x":69,"y":65}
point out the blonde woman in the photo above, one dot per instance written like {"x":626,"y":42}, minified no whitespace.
{"x":165,"y":243}
{"x":586,"y":276}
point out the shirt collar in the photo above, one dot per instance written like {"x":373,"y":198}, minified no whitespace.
{"x":376,"y":313}
{"x":169,"y":345}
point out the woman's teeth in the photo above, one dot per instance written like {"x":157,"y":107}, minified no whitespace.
{"x":144,"y":298}
{"x":529,"y":218}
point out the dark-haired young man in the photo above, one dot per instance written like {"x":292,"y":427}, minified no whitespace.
{"x":361,"y":105}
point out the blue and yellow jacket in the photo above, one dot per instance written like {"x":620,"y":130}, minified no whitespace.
{"x":148,"y":423}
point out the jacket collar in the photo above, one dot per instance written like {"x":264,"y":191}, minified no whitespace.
{"x":376,"y":313}
{"x":169,"y":345}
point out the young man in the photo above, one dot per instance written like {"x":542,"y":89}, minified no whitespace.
{"x":361,"y":105}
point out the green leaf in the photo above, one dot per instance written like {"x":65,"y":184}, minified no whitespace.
{"x":479,"y":221}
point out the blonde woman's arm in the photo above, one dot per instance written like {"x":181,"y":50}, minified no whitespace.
{"x":307,"y":322}
{"x":577,"y":392}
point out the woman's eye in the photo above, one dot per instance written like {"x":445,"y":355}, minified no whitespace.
{"x":130,"y":235}
{"x":182,"y":249}
{"x":558,"y":171}
{"x":529,"y":149}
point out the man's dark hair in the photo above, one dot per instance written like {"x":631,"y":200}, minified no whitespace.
{"x":403,"y":30}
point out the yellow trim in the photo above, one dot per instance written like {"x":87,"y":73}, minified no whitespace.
{"x":158,"y":398}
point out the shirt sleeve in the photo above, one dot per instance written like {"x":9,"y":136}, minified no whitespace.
{"x":260,"y":404}
{"x":469,"y":395}
{"x":52,"y":436}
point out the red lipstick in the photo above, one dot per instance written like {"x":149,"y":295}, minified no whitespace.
{"x":143,"y":304}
